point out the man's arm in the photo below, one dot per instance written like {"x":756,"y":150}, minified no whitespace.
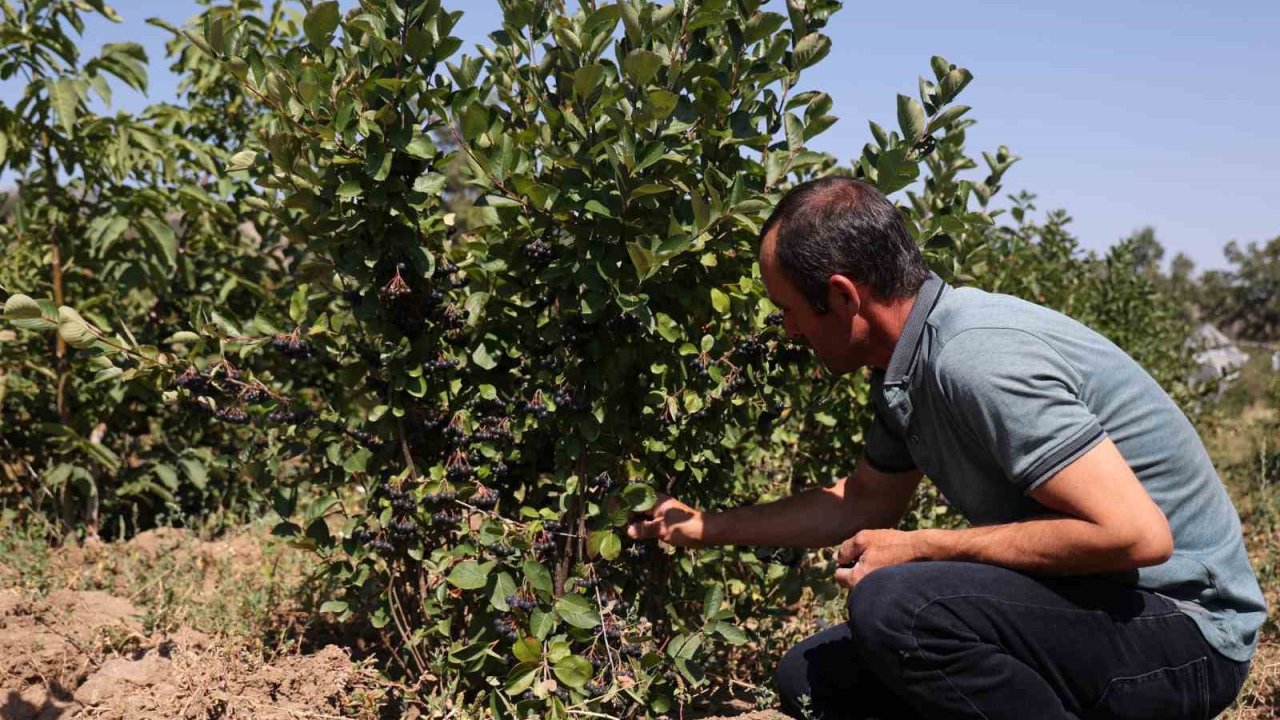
{"x":819,"y":517}
{"x":1103,"y":521}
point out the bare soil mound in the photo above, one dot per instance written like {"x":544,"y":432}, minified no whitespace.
{"x":81,"y":654}
{"x":86,"y":653}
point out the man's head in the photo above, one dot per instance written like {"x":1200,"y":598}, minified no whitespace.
{"x":835,"y":255}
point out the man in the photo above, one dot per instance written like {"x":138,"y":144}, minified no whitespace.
{"x":1104,"y":574}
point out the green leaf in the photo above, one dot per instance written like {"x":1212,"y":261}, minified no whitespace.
{"x":647,"y":190}
{"x":641,"y":65}
{"x":911,"y":118}
{"x":585,"y":79}
{"x":65,"y":101}
{"x":521,"y":678}
{"x":320,"y":23}
{"x":421,"y":147}
{"x":527,"y":650}
{"x":894,"y":171}
{"x":538,"y":576}
{"x":541,"y":623}
{"x":74,"y":329}
{"x":578,"y":611}
{"x":711,"y":601}
{"x":242,"y":160}
{"x":470,"y":575}
{"x":684,"y":647}
{"x":21,"y":307}
{"x":639,"y":497}
{"x":503,"y":586}
{"x":163,"y":235}
{"x":731,"y":633}
{"x":645,"y":262}
{"x":946,"y":117}
{"x":811,"y":49}
{"x":720,"y":301}
{"x":334,"y":606}
{"x":482,"y":357}
{"x":605,"y":544}
{"x":573,"y":671}
{"x":660,"y":102}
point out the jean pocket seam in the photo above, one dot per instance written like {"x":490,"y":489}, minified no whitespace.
{"x":1201,"y":681}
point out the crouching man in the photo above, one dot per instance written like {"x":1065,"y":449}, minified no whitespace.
{"x":1104,"y":573}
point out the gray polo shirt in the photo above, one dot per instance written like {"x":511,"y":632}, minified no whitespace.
{"x":991,"y":396}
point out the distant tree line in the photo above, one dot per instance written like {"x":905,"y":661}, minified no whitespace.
{"x":1242,"y":299}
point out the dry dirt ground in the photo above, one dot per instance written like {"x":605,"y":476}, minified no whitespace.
{"x":73,"y":653}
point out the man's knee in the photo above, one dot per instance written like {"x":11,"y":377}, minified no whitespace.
{"x":883,"y":606}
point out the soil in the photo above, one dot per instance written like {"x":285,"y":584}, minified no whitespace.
{"x":84,"y":654}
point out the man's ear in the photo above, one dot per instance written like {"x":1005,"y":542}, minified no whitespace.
{"x":843,"y":295}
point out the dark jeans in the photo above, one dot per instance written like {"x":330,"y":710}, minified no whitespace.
{"x":943,"y":640}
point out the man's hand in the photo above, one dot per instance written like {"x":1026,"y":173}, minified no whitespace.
{"x":670,"y":521}
{"x":871,"y":550}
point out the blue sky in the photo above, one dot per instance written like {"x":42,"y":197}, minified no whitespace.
{"x":1125,"y":113}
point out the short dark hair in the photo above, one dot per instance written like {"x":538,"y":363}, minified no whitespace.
{"x":839,"y":225}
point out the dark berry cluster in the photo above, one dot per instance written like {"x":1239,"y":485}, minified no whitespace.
{"x":255,"y":395}
{"x":191,"y":379}
{"x":291,"y":346}
{"x":611,"y":630}
{"x":459,"y":472}
{"x":452,"y":318}
{"x":595,"y":688}
{"x":588,"y":583}
{"x":774,"y":319}
{"x":403,"y":530}
{"x":288,"y":416}
{"x":699,"y":366}
{"x":432,"y":367}
{"x":502,"y":551}
{"x":630,"y":650}
{"x":539,"y":254}
{"x":233,"y":415}
{"x":544,"y":546}
{"x":566,"y":398}
{"x":553,"y":526}
{"x":364,"y":437}
{"x":506,"y":627}
{"x":750,"y":349}
{"x":401,"y":500}
{"x":601,"y":484}
{"x":442,"y":496}
{"x":396,"y":288}
{"x":455,"y":436}
{"x":364,"y":537}
{"x":485,"y":498}
{"x":446,"y":519}
{"x":520,"y":602}
{"x":536,"y":408}
{"x":494,"y":432}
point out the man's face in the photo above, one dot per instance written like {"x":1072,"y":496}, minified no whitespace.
{"x":837,"y":337}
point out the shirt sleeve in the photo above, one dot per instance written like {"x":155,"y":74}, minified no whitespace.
{"x":1020,"y":399}
{"x":885,"y":450}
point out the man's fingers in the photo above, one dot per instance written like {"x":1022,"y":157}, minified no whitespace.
{"x":644,"y":529}
{"x":850,"y":576}
{"x":850,"y":550}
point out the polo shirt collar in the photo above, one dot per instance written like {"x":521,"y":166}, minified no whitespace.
{"x":909,"y":341}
